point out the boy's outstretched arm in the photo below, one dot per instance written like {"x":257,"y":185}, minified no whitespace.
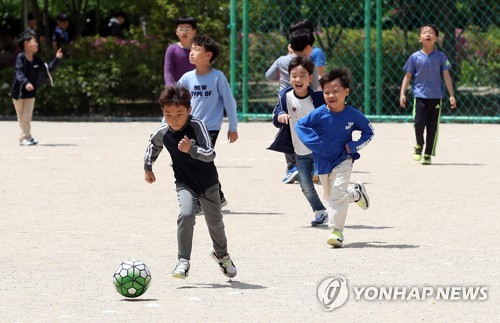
{"x":404,"y":86}
{"x":449,"y":87}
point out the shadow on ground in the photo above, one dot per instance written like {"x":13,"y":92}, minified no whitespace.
{"x":231,"y":284}
{"x":379,"y":244}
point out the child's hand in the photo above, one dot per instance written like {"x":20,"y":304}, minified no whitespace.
{"x":453,"y":102}
{"x":232,"y":136}
{"x":184,"y":145}
{"x":347,"y":148}
{"x":149,"y":176}
{"x":29,"y":87}
{"x":402,"y":101}
{"x":283,"y":118}
{"x":59,"y":53}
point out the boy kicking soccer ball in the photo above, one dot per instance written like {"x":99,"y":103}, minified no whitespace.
{"x":188,"y":142}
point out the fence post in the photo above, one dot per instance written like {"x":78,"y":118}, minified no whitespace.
{"x":244,"y":88}
{"x":378,"y":60}
{"x":232,"y":46}
{"x":367,"y":57}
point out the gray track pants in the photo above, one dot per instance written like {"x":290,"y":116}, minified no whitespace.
{"x":210,"y":203}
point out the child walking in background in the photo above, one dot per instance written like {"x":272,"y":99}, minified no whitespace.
{"x":188,"y":142}
{"x":301,"y":42}
{"x":429,"y":66}
{"x":210,"y":92}
{"x":294,"y":103}
{"x":177,"y":61}
{"x":327,"y":132}
{"x":30,"y":72}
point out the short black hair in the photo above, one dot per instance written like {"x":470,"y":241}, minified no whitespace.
{"x":24,"y":37}
{"x":342,"y":73}
{"x":429,"y":25}
{"x":305,"y":62}
{"x":209,"y":44}
{"x":120,"y":13}
{"x":184,"y":20}
{"x":31,"y":16}
{"x":299,"y":39}
{"x":299,"y":24}
{"x":175,"y":95}
{"x":62,"y":17}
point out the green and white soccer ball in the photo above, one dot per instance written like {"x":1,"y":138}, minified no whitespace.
{"x":132,"y":278}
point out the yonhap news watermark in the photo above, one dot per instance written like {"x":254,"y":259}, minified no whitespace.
{"x":334,"y":292}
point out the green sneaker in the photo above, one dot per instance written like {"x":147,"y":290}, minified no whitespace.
{"x":426,"y":160}
{"x":417,"y":153}
{"x":336,"y":239}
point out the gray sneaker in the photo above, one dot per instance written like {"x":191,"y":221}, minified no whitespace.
{"x":364,"y":201}
{"x":226,"y":264}
{"x":182,"y":269}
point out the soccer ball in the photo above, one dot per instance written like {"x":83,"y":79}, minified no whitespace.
{"x":132,"y":278}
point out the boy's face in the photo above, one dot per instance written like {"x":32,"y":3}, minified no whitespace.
{"x":176,"y":115}
{"x":300,"y":80}
{"x":63,"y":24}
{"x":31,"y":46}
{"x":334,"y":94}
{"x":185,"y":32}
{"x":198,"y":54}
{"x":427,"y":36}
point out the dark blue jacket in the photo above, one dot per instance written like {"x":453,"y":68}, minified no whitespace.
{"x":283,"y":141}
{"x":41,"y":75}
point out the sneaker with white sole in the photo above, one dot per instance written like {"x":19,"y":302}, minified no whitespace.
{"x":182,"y":269}
{"x":26,"y":142}
{"x":364,"y":200}
{"x":226,"y":264}
{"x":336,"y":239}
{"x":320,"y":217}
{"x":291,"y":175}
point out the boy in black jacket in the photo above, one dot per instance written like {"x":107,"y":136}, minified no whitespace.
{"x":196,"y":179}
{"x":30,"y":71}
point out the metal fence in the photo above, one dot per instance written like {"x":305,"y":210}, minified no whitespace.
{"x":374,"y":39}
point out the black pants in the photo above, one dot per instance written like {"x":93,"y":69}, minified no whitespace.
{"x":214,"y":134}
{"x":427,"y":113}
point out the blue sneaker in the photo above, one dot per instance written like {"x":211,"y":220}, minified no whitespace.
{"x":321,"y":217}
{"x":291,"y":175}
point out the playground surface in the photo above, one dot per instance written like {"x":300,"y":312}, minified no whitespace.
{"x":76,"y":205}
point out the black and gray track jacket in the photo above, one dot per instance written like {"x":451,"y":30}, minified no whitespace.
{"x":195,"y":169}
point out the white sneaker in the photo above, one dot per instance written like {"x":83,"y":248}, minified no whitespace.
{"x":182,"y":269}
{"x":226,"y":264}
{"x":364,"y":201}
{"x":26,"y":142}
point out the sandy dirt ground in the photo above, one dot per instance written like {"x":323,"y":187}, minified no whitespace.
{"x":75,"y":206}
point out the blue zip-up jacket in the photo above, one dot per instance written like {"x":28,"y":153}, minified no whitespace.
{"x":326,"y":134}
{"x":283,"y":141}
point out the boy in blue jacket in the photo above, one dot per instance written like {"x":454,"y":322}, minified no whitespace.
{"x":294,"y":103}
{"x":327,"y":132}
